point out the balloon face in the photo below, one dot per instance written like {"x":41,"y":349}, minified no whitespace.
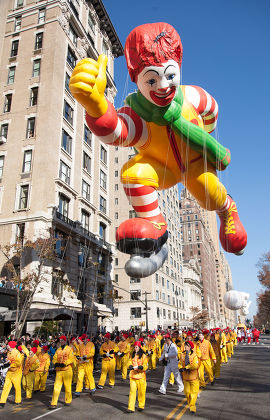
{"x":158,"y":84}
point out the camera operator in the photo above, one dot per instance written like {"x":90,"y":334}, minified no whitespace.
{"x":170,"y":361}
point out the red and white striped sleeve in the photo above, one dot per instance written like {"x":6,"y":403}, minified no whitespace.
{"x":204,"y":104}
{"x":123,"y":128}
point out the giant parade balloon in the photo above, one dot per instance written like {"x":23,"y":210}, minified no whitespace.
{"x":169,"y":125}
{"x":235,"y":300}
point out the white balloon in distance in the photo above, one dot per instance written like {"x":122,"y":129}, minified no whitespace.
{"x":235,"y":300}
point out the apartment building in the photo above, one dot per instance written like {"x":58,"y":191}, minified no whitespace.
{"x":163,"y":293}
{"x":53,"y":171}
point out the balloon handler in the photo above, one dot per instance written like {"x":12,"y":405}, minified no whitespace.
{"x":169,"y":127}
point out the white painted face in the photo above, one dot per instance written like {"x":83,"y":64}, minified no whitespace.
{"x":158,"y":84}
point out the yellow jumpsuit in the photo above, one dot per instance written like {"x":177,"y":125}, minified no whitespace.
{"x":31,"y":364}
{"x":41,"y":372}
{"x":151,"y":351}
{"x":63,"y":374}
{"x":228,"y":345}
{"x":108,"y":363}
{"x":124,"y":347}
{"x":13,"y":377}
{"x":223,"y":349}
{"x":137,"y":382}
{"x":74,"y":348}
{"x":85,"y":367}
{"x":207,"y":353}
{"x":191,"y":379}
{"x":216,"y":366}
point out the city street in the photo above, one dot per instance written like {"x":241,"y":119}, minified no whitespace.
{"x":242,"y":392}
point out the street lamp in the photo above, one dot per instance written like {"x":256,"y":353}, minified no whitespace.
{"x":176,"y":294}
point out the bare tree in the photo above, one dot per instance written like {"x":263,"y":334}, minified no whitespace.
{"x":263,"y":313}
{"x":29,"y":264}
{"x":200,"y":318}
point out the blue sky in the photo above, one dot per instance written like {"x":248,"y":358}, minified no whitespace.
{"x":225,"y":51}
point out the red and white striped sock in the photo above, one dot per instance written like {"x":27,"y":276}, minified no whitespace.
{"x":226,"y":205}
{"x":144,"y":200}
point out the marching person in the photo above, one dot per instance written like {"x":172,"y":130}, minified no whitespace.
{"x":138,"y":366}
{"x":207,"y":354}
{"x":14,"y":374}
{"x":85,"y":354}
{"x":31,"y":365}
{"x":123,"y":355}
{"x":41,"y":372}
{"x":216,"y":347}
{"x":151,"y":351}
{"x":108,"y":350}
{"x":223,"y":348}
{"x":169,"y":357}
{"x":190,"y":372}
{"x":63,"y":361}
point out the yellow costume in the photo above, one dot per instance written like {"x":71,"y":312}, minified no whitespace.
{"x":108,"y":351}
{"x":85,"y":355}
{"x":191,"y":379}
{"x":13,"y":377}
{"x":28,"y":379}
{"x":41,"y":373}
{"x":137,"y":381}
{"x":63,"y":360}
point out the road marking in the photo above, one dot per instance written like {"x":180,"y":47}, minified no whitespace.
{"x":170,"y":415}
{"x":182,"y":412}
{"x":47,"y":414}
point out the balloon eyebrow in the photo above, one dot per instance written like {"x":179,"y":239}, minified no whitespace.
{"x":151,"y":70}
{"x":170,"y":65}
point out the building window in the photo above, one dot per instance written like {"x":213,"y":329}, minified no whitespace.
{"x":71,"y":58}
{"x":134,"y":280}
{"x":102,"y":204}
{"x":20,"y":231}
{"x":41,"y":16}
{"x":64,"y":172}
{"x":66,"y":143}
{"x":103,"y":154}
{"x":168,"y":284}
{"x":85,"y":219}
{"x":162,"y":281}
{"x":116,"y":174}
{"x":63,"y":205}
{"x":86,"y":163}
{"x":36,"y":68}
{"x":34,"y":96}
{"x":57,"y":286}
{"x":105,"y":48}
{"x":67,"y":79}
{"x":91,"y":23}
{"x":14,"y":48}
{"x":18,"y":23}
{"x":164,"y":313}
{"x":116,"y":215}
{"x":30,"y":131}
{"x":116,"y":261}
{"x":72,"y":34}
{"x":135,"y":312}
{"x":27,"y":161}
{"x":103,"y":180}
{"x":102,"y":230}
{"x":68,"y":112}
{"x":157,"y":295}
{"x":11,"y":75}
{"x":39,"y":41}
{"x":7,"y":103}
{"x":132,"y":214}
{"x":24,"y":195}
{"x":87,"y":136}
{"x":116,"y":201}
{"x":3,"y":132}
{"x":2,"y":160}
{"x":116,"y":187}
{"x":19,"y":3}
{"x":169,"y":300}
{"x":157,"y":279}
{"x":135,"y":294}
{"x":85,"y":190}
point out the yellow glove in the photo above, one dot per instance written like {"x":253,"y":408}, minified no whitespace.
{"x":88,"y":83}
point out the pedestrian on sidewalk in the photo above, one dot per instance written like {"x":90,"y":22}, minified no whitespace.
{"x":138,"y":364}
{"x":169,"y":358}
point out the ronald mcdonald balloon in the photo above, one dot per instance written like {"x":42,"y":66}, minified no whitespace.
{"x":169,"y":125}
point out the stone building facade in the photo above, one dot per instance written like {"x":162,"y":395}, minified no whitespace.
{"x":53,"y":171}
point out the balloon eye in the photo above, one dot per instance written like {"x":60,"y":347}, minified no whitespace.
{"x":171,"y":76}
{"x":151,"y":81}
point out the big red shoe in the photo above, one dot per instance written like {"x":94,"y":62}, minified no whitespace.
{"x":139,"y":235}
{"x":232,"y":234}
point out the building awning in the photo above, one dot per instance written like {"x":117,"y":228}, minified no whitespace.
{"x":37,"y":314}
{"x":103,"y":310}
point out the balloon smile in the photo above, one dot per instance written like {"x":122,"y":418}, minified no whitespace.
{"x":163,"y":98}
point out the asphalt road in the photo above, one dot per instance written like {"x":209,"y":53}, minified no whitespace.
{"x":242,"y":393}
